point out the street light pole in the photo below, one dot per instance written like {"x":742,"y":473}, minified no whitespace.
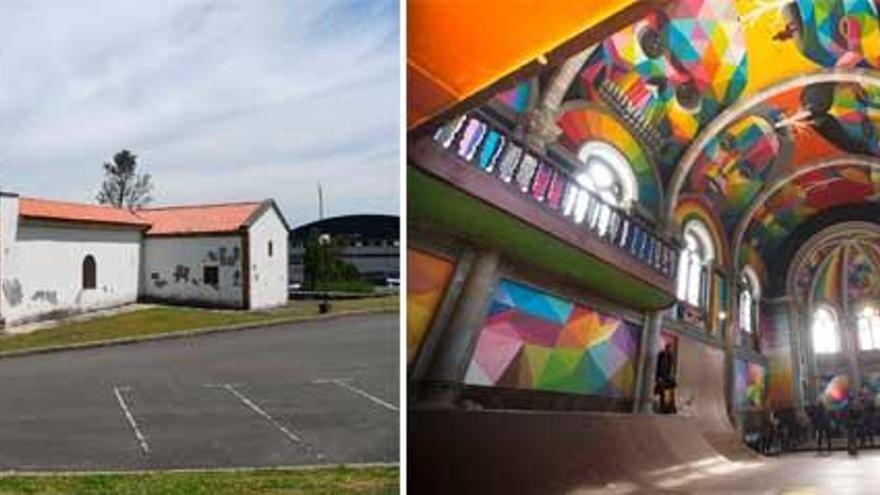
{"x":324,"y":242}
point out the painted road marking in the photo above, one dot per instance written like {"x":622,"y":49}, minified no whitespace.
{"x":343,"y":382}
{"x":142,"y":441}
{"x":257,"y":409}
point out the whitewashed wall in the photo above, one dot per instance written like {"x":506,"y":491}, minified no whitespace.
{"x":268,"y":274}
{"x":41,"y":273}
{"x":173,"y":269}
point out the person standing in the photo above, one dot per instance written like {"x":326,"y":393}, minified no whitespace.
{"x":854,"y":418}
{"x":664,"y":380}
{"x":823,"y":426}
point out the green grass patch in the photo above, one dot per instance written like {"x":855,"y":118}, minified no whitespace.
{"x":361,"y":286}
{"x":378,"y":480}
{"x":172,"y":319}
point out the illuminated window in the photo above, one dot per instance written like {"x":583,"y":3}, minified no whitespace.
{"x":607,"y":173}
{"x":748,"y":301}
{"x":824,"y":330}
{"x":868,"y":324}
{"x":693,"y":265}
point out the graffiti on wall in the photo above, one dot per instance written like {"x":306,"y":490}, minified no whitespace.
{"x":537,"y":341}
{"x":426,"y":280}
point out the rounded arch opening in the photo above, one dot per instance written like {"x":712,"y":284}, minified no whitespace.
{"x":825,"y":330}
{"x":89,"y":272}
{"x":608,"y":173}
{"x":695,"y":261}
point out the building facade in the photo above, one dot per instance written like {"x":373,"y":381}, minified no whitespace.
{"x":59,"y":258}
{"x":372,"y":245}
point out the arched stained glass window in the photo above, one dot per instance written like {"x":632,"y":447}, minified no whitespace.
{"x":748,"y":301}
{"x":826,"y":339}
{"x":695,"y":258}
{"x":868,"y":324}
{"x":607,"y":173}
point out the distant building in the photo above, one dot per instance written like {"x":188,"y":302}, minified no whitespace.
{"x":373,"y":245}
{"x":63,"y":258}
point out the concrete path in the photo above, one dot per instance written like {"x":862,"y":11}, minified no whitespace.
{"x":307,"y":393}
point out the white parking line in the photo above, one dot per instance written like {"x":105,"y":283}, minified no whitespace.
{"x":130,"y":417}
{"x":257,"y":409}
{"x":343,"y":382}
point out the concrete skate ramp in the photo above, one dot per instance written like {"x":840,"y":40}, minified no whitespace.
{"x":564,"y":452}
{"x":700,"y":395}
{"x":548,"y":452}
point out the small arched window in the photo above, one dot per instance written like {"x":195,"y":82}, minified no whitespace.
{"x":693,"y":265}
{"x":89,"y":272}
{"x":824,"y":331}
{"x":868,"y":324}
{"x":270,"y":248}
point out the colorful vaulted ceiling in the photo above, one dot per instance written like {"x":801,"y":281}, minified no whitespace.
{"x":456,"y":50}
{"x":760,"y":112}
{"x":841,"y":269}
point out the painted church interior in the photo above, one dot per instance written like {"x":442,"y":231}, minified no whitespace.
{"x":643,"y":246}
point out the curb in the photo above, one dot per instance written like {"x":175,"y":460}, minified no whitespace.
{"x":193,"y":333}
{"x":246,"y":469}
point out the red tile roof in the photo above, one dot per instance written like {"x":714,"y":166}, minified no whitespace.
{"x":60,"y":210}
{"x":198,"y":219}
{"x":170,"y":220}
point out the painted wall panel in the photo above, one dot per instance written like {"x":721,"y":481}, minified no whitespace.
{"x":427,"y":277}
{"x":174,"y":269}
{"x":749,"y":385}
{"x":534,"y":340}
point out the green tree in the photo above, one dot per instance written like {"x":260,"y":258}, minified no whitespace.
{"x":322,"y":265}
{"x":123,"y":186}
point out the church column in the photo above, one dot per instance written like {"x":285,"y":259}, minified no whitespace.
{"x":445,"y":373}
{"x":847,"y":328}
{"x":731,"y":330}
{"x":540,"y":125}
{"x":647,"y":363}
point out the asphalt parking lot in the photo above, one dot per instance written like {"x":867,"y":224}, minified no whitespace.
{"x":308,"y":393}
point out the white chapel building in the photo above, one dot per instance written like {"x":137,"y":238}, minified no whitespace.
{"x":59,"y":258}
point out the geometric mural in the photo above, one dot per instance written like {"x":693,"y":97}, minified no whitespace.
{"x":426,"y":280}
{"x":669,"y":73}
{"x":516,"y":99}
{"x":843,"y":271}
{"x":749,"y":385}
{"x":805,"y":196}
{"x":536,"y":341}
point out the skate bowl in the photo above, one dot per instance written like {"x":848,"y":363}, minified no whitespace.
{"x":494,"y":451}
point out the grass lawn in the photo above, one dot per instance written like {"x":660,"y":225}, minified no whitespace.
{"x":171,"y":319}
{"x":378,"y":480}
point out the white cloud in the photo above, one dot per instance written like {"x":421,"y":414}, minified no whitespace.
{"x":221,"y":100}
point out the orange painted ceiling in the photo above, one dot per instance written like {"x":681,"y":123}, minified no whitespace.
{"x":458,"y":48}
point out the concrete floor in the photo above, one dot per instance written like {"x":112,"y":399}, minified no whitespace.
{"x":572,"y":453}
{"x":801,"y":473}
{"x":310,"y":393}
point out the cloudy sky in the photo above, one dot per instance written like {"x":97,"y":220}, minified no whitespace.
{"x":221,"y":100}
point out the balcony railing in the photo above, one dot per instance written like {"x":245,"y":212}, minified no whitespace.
{"x":479,"y":141}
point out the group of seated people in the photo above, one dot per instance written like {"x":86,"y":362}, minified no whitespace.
{"x":771,"y":431}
